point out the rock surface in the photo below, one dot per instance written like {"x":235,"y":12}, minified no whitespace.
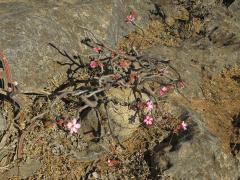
{"x":198,"y":154}
{"x":206,"y":55}
{"x":3,"y":123}
{"x":124,"y":121}
{"x":27,"y":28}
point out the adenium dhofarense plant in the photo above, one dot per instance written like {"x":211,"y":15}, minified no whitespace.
{"x":122,"y":68}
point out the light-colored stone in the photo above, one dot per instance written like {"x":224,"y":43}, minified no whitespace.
{"x":124,"y":121}
{"x":3,"y":122}
{"x":25,"y":169}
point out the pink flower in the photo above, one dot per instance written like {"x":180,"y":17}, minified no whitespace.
{"x":124,"y":63}
{"x":93,"y":64}
{"x":121,"y":51}
{"x":141,"y":105}
{"x":73,"y":126}
{"x":60,"y":122}
{"x":183,"y":126}
{"x":133,"y":77}
{"x":181,"y":84}
{"x":149,"y":105}
{"x":113,"y":54}
{"x":113,"y":162}
{"x":116,"y":77}
{"x":131,"y":18}
{"x":148,"y":120}
{"x":164,"y":90}
{"x":97,"y":49}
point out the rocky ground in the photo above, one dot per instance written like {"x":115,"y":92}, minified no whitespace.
{"x":200,"y":39}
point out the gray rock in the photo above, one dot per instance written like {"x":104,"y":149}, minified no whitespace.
{"x":123,"y":120}
{"x":95,"y":175}
{"x":205,"y":55}
{"x":201,"y":157}
{"x":3,"y":122}
{"x":25,"y":169}
{"x":194,"y":62}
{"x":28,"y":26}
{"x":57,"y":149}
{"x":172,"y":12}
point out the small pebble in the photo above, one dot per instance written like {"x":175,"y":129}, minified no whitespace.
{"x":57,"y":150}
{"x":95,"y":175}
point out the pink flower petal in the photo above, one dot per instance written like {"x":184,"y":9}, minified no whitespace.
{"x":75,"y":130}
{"x":73,"y":126}
{"x":149,"y":105}
{"x":97,"y":49}
{"x":77,"y":126}
{"x":93,"y":64}
{"x":148,"y":120}
{"x":74,"y":121}
{"x":164,"y":89}
{"x":69,"y":125}
{"x":184,"y":125}
{"x":131,"y":18}
{"x":162,"y":93}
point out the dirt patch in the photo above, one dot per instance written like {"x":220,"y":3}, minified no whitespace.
{"x":158,"y":32}
{"x":52,"y":145}
{"x":221,"y":106}
{"x":155,"y":33}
